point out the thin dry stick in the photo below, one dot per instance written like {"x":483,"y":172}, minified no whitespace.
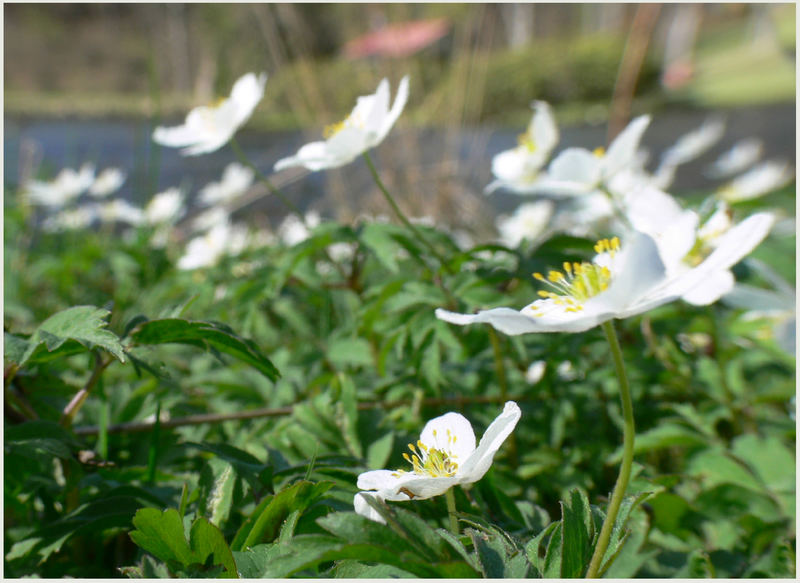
{"x":139,"y":426}
{"x":631,"y":66}
{"x":77,"y":401}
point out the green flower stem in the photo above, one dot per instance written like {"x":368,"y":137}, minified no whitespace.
{"x":627,"y":454}
{"x":237,"y":149}
{"x":451,"y":510}
{"x":390,"y":199}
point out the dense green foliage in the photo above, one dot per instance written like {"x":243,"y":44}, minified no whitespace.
{"x":340,"y":365}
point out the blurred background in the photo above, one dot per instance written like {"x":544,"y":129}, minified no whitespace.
{"x":88,"y":82}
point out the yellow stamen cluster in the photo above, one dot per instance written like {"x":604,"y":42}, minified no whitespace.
{"x":526,"y":140}
{"x":599,"y":151}
{"x":333,"y":129}
{"x":579,"y":281}
{"x":429,"y":461}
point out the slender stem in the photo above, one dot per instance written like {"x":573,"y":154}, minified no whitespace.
{"x":451,"y":510}
{"x":237,"y":149}
{"x":390,"y":199}
{"x":627,"y":454}
{"x":77,"y":401}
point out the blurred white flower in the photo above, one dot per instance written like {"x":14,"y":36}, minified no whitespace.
{"x":687,"y":148}
{"x":566,"y":371}
{"x":621,"y":282}
{"x":365,"y":128}
{"x":293,"y":231}
{"x":69,"y":220}
{"x":756,"y":182}
{"x":236,"y":179}
{"x":165,"y":207}
{"x":741,"y":156}
{"x":108,"y":181}
{"x":517,"y":169}
{"x":66,"y":186}
{"x":121,"y":211}
{"x":210,"y":218}
{"x":208,"y":128}
{"x":444,"y":456}
{"x":529,"y":221}
{"x":535,"y":372}
{"x":584,"y":216}
{"x":577,"y":171}
{"x":207,"y":249}
{"x":685,"y":243}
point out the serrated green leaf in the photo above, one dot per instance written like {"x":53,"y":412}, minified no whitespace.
{"x":161,"y":534}
{"x":206,"y":335}
{"x":552,"y":558}
{"x":206,"y":540}
{"x":82,"y":324}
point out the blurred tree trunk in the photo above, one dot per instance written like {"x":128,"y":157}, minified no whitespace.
{"x":518,"y":22}
{"x":177,"y":55}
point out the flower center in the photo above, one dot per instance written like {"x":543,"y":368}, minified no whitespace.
{"x":599,"y":151}
{"x":526,"y":140}
{"x":429,"y":461}
{"x":579,"y":281}
{"x":333,"y":129}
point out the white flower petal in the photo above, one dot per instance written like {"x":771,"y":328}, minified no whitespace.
{"x":711,"y":288}
{"x":543,"y":127}
{"x":363,"y":508}
{"x":474,"y":468}
{"x":450,"y":433}
{"x":377,"y":480}
{"x":622,"y":151}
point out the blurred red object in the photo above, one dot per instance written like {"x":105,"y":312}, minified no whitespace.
{"x":398,"y":40}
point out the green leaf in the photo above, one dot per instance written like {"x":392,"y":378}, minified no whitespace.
{"x":533,"y":546}
{"x":379,"y":451}
{"x":377,"y":238}
{"x":577,"y":534}
{"x":85,"y":325}
{"x":552,"y":558}
{"x":206,"y":335}
{"x":353,"y":351}
{"x":162,"y":535}
{"x":206,"y":540}
{"x":264,"y":524}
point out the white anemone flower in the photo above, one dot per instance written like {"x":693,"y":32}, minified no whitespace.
{"x":757,"y":182}
{"x":236,"y":179}
{"x":577,"y":171}
{"x":739,"y":158}
{"x":622,"y":281}
{"x":165,"y":207}
{"x":119,"y":210}
{"x":71,"y":220}
{"x":529,"y":221}
{"x":108,"y":181}
{"x":517,"y":169}
{"x":66,"y":186}
{"x":365,"y":128}
{"x":683,"y":242}
{"x":208,"y":128}
{"x":293,"y":231}
{"x":207,"y":249}
{"x":693,"y":145}
{"x":444,"y":456}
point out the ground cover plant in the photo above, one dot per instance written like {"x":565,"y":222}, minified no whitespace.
{"x":194,"y":396}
